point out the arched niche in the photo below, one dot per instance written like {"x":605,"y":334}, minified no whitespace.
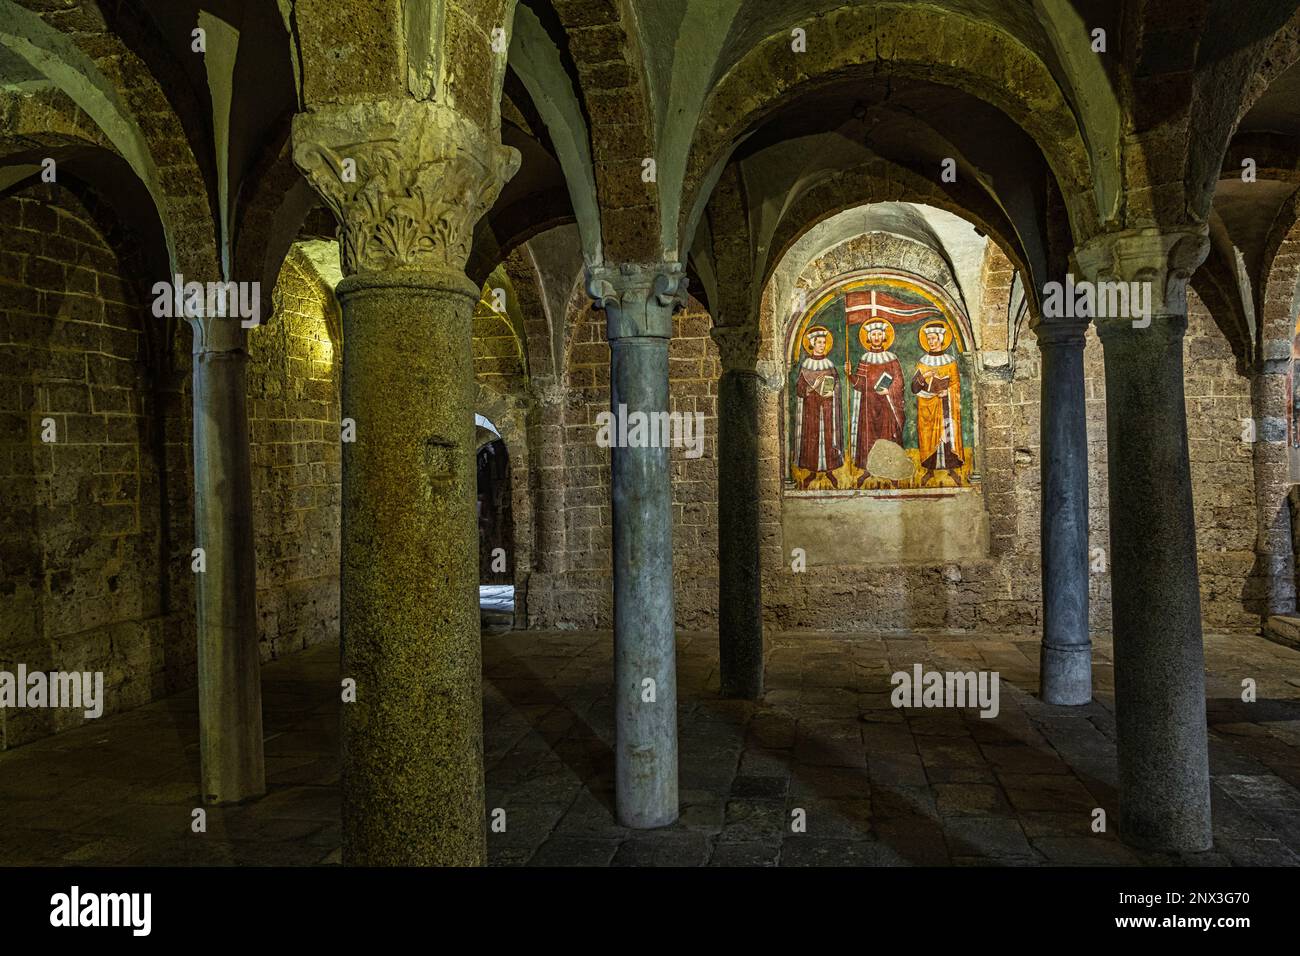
{"x":903,"y":480}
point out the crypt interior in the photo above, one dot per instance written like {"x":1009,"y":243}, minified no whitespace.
{"x":369,"y":580}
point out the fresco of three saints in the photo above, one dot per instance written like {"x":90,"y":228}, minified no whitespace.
{"x":879,"y":397}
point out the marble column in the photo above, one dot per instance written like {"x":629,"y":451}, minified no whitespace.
{"x":1155,"y":595}
{"x":412,"y":775}
{"x":740,"y":597}
{"x":232,"y":766}
{"x":1065,"y":665}
{"x":639,"y":302}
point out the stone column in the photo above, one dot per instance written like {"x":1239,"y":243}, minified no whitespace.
{"x":230,"y":688}
{"x":740,"y":572}
{"x":1274,"y":584}
{"x":547,"y":449}
{"x":639,"y":302}
{"x":1159,"y":663}
{"x":546,"y":474}
{"x":1065,"y":666}
{"x":412,"y":742}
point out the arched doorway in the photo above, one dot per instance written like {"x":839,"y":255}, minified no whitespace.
{"x":496,"y":566}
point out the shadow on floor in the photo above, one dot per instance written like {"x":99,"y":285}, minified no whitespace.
{"x":823,"y":771}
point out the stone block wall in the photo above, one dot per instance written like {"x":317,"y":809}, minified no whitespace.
{"x":97,"y":526}
{"x":1221,"y":441}
{"x":498,"y":358}
{"x":502,"y":397}
{"x":580,"y":593}
{"x":94,"y":528}
{"x":997,"y":592}
{"x":994,"y":592}
{"x":294,"y":425}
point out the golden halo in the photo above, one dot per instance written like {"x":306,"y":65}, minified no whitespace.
{"x":889,"y":334}
{"x":819,"y":329}
{"x":947,"y":335}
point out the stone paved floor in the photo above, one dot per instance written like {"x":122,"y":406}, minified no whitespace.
{"x":878,"y":785}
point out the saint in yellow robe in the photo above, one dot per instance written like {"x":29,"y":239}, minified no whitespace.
{"x":937,"y":386}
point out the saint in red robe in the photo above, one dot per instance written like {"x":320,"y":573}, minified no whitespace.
{"x":821,"y":414}
{"x":877,"y":403}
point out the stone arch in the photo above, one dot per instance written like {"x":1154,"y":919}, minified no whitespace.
{"x":526,"y":285}
{"x":51,"y":111}
{"x":1221,"y":286}
{"x":1274,"y":407}
{"x":1223,"y":94}
{"x":976,"y":57}
{"x":118,"y":91}
{"x":540,"y":64}
{"x":496,"y":240}
{"x":122,"y":205}
{"x":909,"y":272}
{"x":309,"y":268}
{"x":272,"y":206}
{"x":510,"y":416}
{"x":499,"y":342}
{"x":496,"y":524}
{"x":1276,"y":157}
{"x":47,"y":124}
{"x":580,"y":314}
{"x":882,"y":181}
{"x":1281,"y":52}
{"x":1281,"y":286}
{"x":605,"y":47}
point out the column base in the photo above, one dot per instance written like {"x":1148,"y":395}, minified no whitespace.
{"x":1065,"y":674}
{"x":648,"y":819}
{"x":1166,"y":835}
{"x":742,"y":687}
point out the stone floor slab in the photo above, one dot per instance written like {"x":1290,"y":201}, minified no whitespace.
{"x":877,"y":786}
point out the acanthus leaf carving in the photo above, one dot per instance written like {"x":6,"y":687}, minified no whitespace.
{"x":406,"y":179}
{"x":638,"y":300}
{"x":738,"y":346}
{"x":1163,"y":258}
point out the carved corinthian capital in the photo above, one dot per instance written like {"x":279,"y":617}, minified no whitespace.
{"x":547,"y":392}
{"x":1164,"y":258}
{"x":407,"y":179}
{"x":738,"y":346}
{"x":217,"y":334}
{"x":639,"y":300}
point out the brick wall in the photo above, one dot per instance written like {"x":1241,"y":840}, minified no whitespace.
{"x":1223,"y":473}
{"x":498,"y":354}
{"x":95,"y":535}
{"x":580,"y":595}
{"x":294,"y":426}
{"x":501,"y":376}
{"x":995,"y":593}
{"x":92,"y":542}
